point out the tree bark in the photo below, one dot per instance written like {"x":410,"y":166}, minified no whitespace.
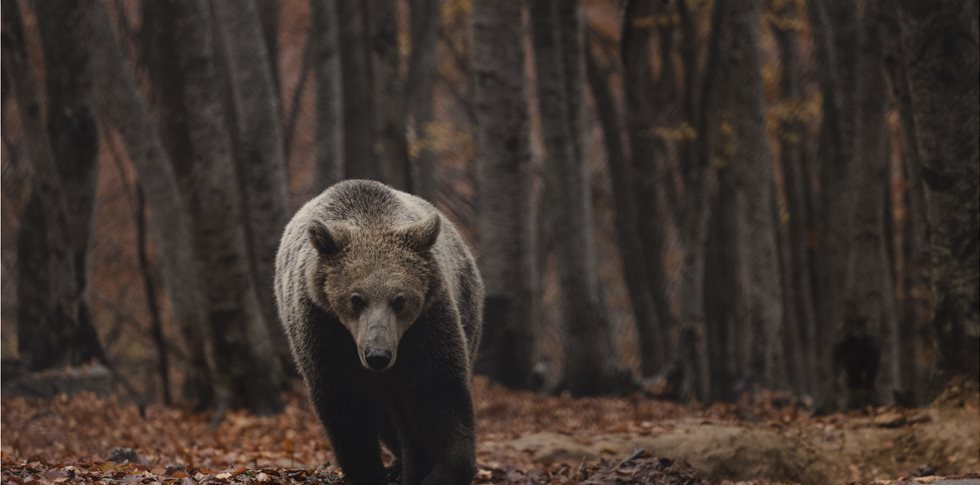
{"x":652,"y":345}
{"x":152,"y":303}
{"x":723,"y":310}
{"x":922,"y":375}
{"x":792,"y":157}
{"x":506,"y":226}
{"x":868,"y":328}
{"x":247,"y":372}
{"x":701,"y":182}
{"x":420,"y":88}
{"x":258,"y":149}
{"x":834,"y":27}
{"x":117,"y":97}
{"x":591,"y":366}
{"x":54,"y":328}
{"x":360,"y":159}
{"x":792,"y":342}
{"x":269,"y":13}
{"x":756,"y":230}
{"x":328,"y":146}
{"x":939,"y":41}
{"x":645,"y":184}
{"x":388,"y":92}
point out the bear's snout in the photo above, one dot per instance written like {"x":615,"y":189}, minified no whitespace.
{"x":378,"y":360}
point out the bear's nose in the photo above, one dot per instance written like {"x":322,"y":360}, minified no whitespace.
{"x":378,"y":359}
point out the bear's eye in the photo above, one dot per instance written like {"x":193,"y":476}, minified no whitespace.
{"x":398,"y":303}
{"x":357,"y":303}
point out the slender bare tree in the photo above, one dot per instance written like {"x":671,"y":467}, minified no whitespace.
{"x":835,"y":37}
{"x":258,"y":151}
{"x":868,"y":328}
{"x":756,"y":229}
{"x":652,"y":346}
{"x":640,"y":106}
{"x":786,"y":30}
{"x":270,"y":14}
{"x":360,"y":159}
{"x":242,"y":360}
{"x":388,"y":93}
{"x":923,"y":378}
{"x":506,"y":225}
{"x":591,"y":365}
{"x":328,"y":146}
{"x":116,"y":96}
{"x":54,"y":328}
{"x":420,"y":89}
{"x":940,"y":61}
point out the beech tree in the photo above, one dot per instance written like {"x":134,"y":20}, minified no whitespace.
{"x":939,"y":66}
{"x":420,"y":92}
{"x":329,"y":148}
{"x":257,"y":149}
{"x":388,"y":93}
{"x":238,"y":348}
{"x":506,"y":229}
{"x":54,"y":327}
{"x":590,"y":365}
{"x":360,"y":160}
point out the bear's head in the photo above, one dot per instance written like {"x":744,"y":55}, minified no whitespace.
{"x":375,"y":279}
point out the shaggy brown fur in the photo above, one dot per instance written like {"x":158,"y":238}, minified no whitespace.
{"x":382,"y":303}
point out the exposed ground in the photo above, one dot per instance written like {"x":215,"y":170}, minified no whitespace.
{"x":521,"y":437}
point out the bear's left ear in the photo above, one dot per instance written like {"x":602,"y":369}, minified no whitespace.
{"x":328,"y":240}
{"x":422,"y":235}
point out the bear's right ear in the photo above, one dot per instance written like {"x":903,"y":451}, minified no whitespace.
{"x":328,"y":240}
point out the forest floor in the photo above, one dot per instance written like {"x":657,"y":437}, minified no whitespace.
{"x":522,"y":438}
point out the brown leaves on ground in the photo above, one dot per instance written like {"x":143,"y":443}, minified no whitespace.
{"x":638,"y":468}
{"x":133,"y":473}
{"x":523,"y":438}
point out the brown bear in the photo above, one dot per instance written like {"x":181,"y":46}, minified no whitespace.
{"x":382,"y":303}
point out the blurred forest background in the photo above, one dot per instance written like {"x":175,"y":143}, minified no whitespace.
{"x":696,"y":198}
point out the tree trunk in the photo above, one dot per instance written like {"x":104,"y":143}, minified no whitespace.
{"x":258,"y":151}
{"x":646,"y":182}
{"x":328,"y":146}
{"x":422,"y":69}
{"x":756,"y":229}
{"x":388,"y":94}
{"x":792,"y":157}
{"x":722,"y":308}
{"x":591,"y":366}
{"x":505,"y":217}
{"x":652,"y":346}
{"x":834,"y":27}
{"x":792,"y":342}
{"x":701,"y":180}
{"x":53,"y":324}
{"x":923,"y":379}
{"x":269,"y":13}
{"x":360,"y":159}
{"x":117,"y":97}
{"x":149,"y":289}
{"x":244,"y":364}
{"x":865,"y":343}
{"x":939,"y":41}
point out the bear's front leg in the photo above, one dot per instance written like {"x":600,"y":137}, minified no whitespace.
{"x":389,"y":435}
{"x":439,"y":441}
{"x":351,"y":420}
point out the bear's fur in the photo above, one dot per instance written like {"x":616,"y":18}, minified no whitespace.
{"x":364,"y":271}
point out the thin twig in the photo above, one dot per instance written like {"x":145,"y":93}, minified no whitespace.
{"x":636,"y":454}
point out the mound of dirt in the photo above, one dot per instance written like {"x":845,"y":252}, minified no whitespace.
{"x":892,"y":444}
